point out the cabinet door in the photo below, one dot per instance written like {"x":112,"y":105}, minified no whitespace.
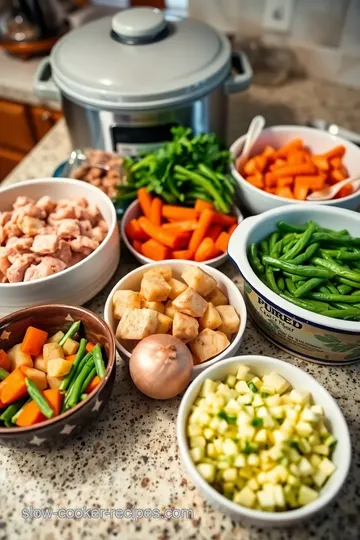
{"x":8,"y":160}
{"x":15,"y":130}
{"x":43,"y":120}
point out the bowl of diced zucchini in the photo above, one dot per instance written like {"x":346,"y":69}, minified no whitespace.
{"x":263,"y":440}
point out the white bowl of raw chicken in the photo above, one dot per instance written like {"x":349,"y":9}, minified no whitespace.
{"x":80,"y":280}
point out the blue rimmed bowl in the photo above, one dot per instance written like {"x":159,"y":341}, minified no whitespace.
{"x":300,"y":332}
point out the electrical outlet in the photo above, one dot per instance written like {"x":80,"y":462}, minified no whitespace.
{"x":278,"y":15}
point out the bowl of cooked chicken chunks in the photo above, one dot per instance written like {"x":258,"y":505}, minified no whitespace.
{"x":59,"y":242}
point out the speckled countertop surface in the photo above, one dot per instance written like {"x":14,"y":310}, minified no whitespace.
{"x":130,"y":457}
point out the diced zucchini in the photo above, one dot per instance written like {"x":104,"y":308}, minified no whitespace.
{"x":307,"y":495}
{"x":207,"y":471}
{"x":245,"y":497}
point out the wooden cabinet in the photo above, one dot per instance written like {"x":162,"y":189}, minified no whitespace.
{"x":43,"y":120}
{"x":8,"y":160}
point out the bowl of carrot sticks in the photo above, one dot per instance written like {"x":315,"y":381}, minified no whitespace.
{"x":155,"y":231}
{"x":57,"y":370}
{"x":287,"y":163}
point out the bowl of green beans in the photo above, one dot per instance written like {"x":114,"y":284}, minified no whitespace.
{"x":301,"y":268}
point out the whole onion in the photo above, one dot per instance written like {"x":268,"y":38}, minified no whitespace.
{"x":161,"y":366}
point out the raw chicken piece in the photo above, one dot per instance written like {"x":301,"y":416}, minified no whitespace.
{"x":15,"y":245}
{"x":66,"y":212}
{"x":2,"y":235}
{"x":30,"y":210}
{"x":45,"y":203}
{"x":16,"y":271}
{"x":54,"y":263}
{"x":12,"y":229}
{"x":47,"y":267}
{"x":102,"y":224}
{"x":30,"y":225}
{"x":85,"y":227}
{"x":48,"y":229}
{"x":69,"y":228}
{"x":22,"y":201}
{"x":63,"y":252}
{"x":82,"y":202}
{"x":76,"y":258}
{"x":83,"y":244}
{"x":98,"y":234}
{"x":4,"y":261}
{"x":45,"y":244}
{"x":90,"y":213}
{"x":5,"y":217}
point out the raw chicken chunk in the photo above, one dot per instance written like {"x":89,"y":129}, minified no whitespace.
{"x":16,"y":271}
{"x":84,"y":245}
{"x":45,"y":244}
{"x":69,"y":228}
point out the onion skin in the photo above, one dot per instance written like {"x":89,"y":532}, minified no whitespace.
{"x":161,"y":366}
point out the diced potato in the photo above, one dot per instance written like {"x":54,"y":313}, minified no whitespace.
{"x":199,"y":280}
{"x":39,"y":363}
{"x":164,"y":324}
{"x":185,"y":327}
{"x":170,"y":310}
{"x":208,"y":344}
{"x":56,"y":337}
{"x":275,"y":381}
{"x":54,"y":382}
{"x":52,"y":350}
{"x":156,"y":306}
{"x":58,"y":367}
{"x":154,"y":287}
{"x":125,"y":299}
{"x":18,"y":358}
{"x":230,"y":320}
{"x":217,"y":298}
{"x":70,"y":347}
{"x":190,"y":303}
{"x":137,"y":324}
{"x":164,"y":271}
{"x":211,"y":318}
{"x":37,"y":376}
{"x":177,"y":287}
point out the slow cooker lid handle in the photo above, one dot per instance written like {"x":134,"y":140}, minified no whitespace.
{"x":139,"y":26}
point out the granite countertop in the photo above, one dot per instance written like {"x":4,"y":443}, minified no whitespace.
{"x":130,"y":457}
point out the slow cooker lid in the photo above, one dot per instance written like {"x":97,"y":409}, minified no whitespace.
{"x":138,"y":58}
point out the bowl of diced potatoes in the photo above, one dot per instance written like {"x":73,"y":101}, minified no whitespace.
{"x":191,"y":301}
{"x":263,"y":440}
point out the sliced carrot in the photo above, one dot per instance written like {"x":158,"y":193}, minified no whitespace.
{"x":55,"y":399}
{"x":182,"y":254}
{"x":224,"y":219}
{"x":201,"y":205}
{"x":289,"y":147}
{"x":336,"y":163}
{"x":222,"y":242}
{"x":33,"y":341}
{"x":320,"y":162}
{"x":300,"y":190}
{"x":134,"y":231}
{"x":155,"y":213}
{"x":285,"y":181}
{"x":284,"y":192}
{"x":214,"y":232}
{"x":312,"y":182}
{"x":344,"y":192}
{"x":232,"y":228}
{"x":294,"y":170}
{"x":256,"y":180}
{"x":179,"y":213}
{"x":337,"y":151}
{"x":4,"y":360}
{"x":159,"y":234}
{"x":89,"y":346}
{"x":30,"y":415}
{"x":205,"y":251}
{"x":13,"y":387}
{"x":145,"y":201}
{"x":71,"y":358}
{"x":250,"y":167}
{"x":155,"y":251}
{"x":2,"y":405}
{"x":178,"y":226}
{"x":137,"y":245}
{"x":205,"y":220}
{"x":92,"y":384}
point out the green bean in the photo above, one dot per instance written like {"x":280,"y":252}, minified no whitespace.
{"x":294,"y":277}
{"x":336,"y":239}
{"x":308,"y":286}
{"x":264,"y":247}
{"x":88,"y":380}
{"x":301,"y":243}
{"x":11,"y":410}
{"x":281,"y":283}
{"x":351,"y":312}
{"x":308,"y":253}
{"x":318,"y":307}
{"x":3,"y":374}
{"x":271,"y":279}
{"x":337,"y":269}
{"x":74,"y":328}
{"x":287,"y":227}
{"x":341,"y":255}
{"x":349,"y":282}
{"x":290,"y":286}
{"x":17,"y":414}
{"x":344,"y":289}
{"x":76,"y":390}
{"x":79,"y":356}
{"x":254,"y":259}
{"x":83,"y":396}
{"x":355,"y":264}
{"x":333,"y":297}
{"x":9,"y":424}
{"x":307,"y":271}
{"x":39,"y":398}
{"x":272,"y":242}
{"x":99,"y":361}
{"x":300,"y":283}
{"x":289,"y":246}
{"x":332,"y":288}
{"x":87,"y":358}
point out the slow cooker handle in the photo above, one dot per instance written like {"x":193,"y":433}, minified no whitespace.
{"x":43,"y":83}
{"x":241,"y":80}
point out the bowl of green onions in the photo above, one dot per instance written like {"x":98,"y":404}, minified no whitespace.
{"x":301,"y":268}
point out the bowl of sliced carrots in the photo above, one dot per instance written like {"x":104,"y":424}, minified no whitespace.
{"x":155,"y":231}
{"x":287,"y":163}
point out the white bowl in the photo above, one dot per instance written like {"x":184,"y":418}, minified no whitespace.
{"x":132,"y":281}
{"x":341,"y":456}
{"x":81,"y":282}
{"x":299,"y":331}
{"x":257,"y":200}
{"x":134,"y":212}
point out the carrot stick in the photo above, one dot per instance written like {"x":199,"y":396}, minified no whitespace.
{"x":33,"y":341}
{"x":261,"y":162}
{"x":268,"y":151}
{"x":159,"y":234}
{"x":224,"y":219}
{"x":335,"y":163}
{"x":179,"y":213}
{"x":137,"y":245}
{"x":311,"y":182}
{"x":155,"y":250}
{"x":144,"y":199}
{"x":30,"y":415}
{"x":92,"y":385}
{"x":321,"y":162}
{"x":205,"y":251}
{"x":337,"y":151}
{"x":256,"y":180}
{"x":134,"y":231}
{"x":222,"y":242}
{"x":250,"y":167}
{"x":344,"y":192}
{"x":13,"y":387}
{"x":182,"y":254}
{"x":206,"y":218}
{"x":296,"y":157}
{"x":290,"y":146}
{"x":270,"y":180}
{"x":214,"y":231}
{"x":277,"y":164}
{"x":294,"y":170}
{"x":301,"y":189}
{"x":155,"y":213}
{"x":180,"y":226}
{"x":285,"y":181}
{"x":232,"y":229}
{"x":284,"y":192}
{"x":55,"y":398}
{"x":201,"y":205}
{"x":337,"y":175}
{"x":4,"y":360}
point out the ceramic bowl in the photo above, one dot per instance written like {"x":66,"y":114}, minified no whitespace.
{"x":261,"y":365}
{"x":257,"y":200}
{"x":134,"y":212}
{"x":298,"y":331}
{"x":133,"y":279}
{"x":80,"y":282}
{"x":53,"y":318}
